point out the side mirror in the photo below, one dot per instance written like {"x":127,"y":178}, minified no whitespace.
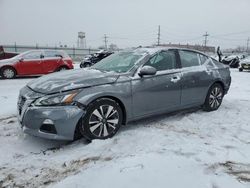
{"x":147,"y":70}
{"x":58,"y":55}
{"x":41,"y":56}
{"x":21,"y":59}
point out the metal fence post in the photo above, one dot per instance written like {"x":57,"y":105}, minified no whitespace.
{"x":74,"y":53}
{"x":15,"y":47}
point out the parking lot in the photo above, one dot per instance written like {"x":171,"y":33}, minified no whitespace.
{"x":212,"y":147}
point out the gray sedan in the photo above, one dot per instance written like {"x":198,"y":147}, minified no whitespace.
{"x":123,"y":87}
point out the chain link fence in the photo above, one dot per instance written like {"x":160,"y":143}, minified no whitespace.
{"x":75,"y":53}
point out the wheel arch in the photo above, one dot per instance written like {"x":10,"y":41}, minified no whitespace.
{"x":119,"y":101}
{"x":61,"y":66}
{"x":8,"y":66}
{"x":219,"y":82}
{"x":78,"y":134}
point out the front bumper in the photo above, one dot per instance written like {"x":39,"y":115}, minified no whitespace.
{"x":245,"y":66}
{"x":63,"y":119}
{"x":53,"y":122}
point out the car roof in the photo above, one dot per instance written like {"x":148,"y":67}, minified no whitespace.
{"x":153,"y":50}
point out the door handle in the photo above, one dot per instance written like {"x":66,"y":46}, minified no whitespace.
{"x":175,"y":79}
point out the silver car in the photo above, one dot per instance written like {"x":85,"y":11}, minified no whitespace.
{"x":126,"y":86}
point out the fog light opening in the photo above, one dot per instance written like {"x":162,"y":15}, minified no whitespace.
{"x":48,"y":127}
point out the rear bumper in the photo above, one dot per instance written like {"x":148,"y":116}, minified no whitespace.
{"x":63,"y":119}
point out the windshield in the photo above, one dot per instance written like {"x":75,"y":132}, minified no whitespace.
{"x":119,"y":62}
{"x":20,"y":55}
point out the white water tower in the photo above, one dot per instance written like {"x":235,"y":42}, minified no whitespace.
{"x":81,"y":42}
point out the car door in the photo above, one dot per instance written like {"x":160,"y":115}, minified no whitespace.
{"x":160,"y":92}
{"x":195,"y":79}
{"x":51,"y":61}
{"x":31,"y":64}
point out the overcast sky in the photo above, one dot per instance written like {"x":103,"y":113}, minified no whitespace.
{"x":126,"y":22}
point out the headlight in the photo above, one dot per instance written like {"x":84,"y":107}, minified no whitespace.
{"x":64,"y":99}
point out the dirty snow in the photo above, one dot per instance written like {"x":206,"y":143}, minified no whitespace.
{"x":185,"y":149}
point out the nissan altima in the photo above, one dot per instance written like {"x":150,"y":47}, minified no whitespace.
{"x":126,"y":86}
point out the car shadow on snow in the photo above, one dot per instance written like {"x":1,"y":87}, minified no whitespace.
{"x":147,"y":122}
{"x":20,"y":77}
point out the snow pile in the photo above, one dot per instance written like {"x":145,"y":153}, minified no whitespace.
{"x":191,"y":148}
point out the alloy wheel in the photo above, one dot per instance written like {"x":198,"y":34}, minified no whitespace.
{"x":103,"y":121}
{"x":8,"y":73}
{"x":215,"y":97}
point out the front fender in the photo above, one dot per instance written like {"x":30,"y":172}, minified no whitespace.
{"x":119,"y":91}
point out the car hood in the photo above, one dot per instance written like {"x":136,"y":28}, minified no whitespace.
{"x":71,"y":79}
{"x":246,"y":61}
{"x":7,"y":61}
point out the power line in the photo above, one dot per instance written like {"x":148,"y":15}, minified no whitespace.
{"x":236,"y":33}
{"x":159,"y":35}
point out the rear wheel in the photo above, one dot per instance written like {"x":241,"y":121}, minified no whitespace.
{"x":102,"y":120}
{"x":62,"y":69}
{"x":86,"y":65}
{"x":214,"y":97}
{"x":240,"y":69}
{"x":8,"y":73}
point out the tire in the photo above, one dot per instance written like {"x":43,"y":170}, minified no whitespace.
{"x":81,"y":65}
{"x":62,"y":69}
{"x":8,"y":73}
{"x":214,"y":98}
{"x":102,"y":120}
{"x":240,"y":69}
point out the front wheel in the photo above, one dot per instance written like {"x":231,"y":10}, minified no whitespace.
{"x":8,"y":73}
{"x":85,"y":65}
{"x":102,"y":120}
{"x":240,"y":69}
{"x":214,"y":97}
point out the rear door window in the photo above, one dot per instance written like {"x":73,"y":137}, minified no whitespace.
{"x":51,"y":54}
{"x":189,"y":58}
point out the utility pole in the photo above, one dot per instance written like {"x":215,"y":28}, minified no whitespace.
{"x":105,"y":42}
{"x":205,"y":41}
{"x":248,"y":40}
{"x":159,"y":35}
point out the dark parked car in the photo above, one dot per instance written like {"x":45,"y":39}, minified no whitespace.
{"x":123,"y":87}
{"x":94,"y":58}
{"x":245,"y":64}
{"x":6,"y":55}
{"x":233,"y":61}
{"x":35,"y":62}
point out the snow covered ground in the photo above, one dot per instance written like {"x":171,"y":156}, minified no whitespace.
{"x":192,"y":149}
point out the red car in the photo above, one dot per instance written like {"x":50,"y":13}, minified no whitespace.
{"x":35,"y":62}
